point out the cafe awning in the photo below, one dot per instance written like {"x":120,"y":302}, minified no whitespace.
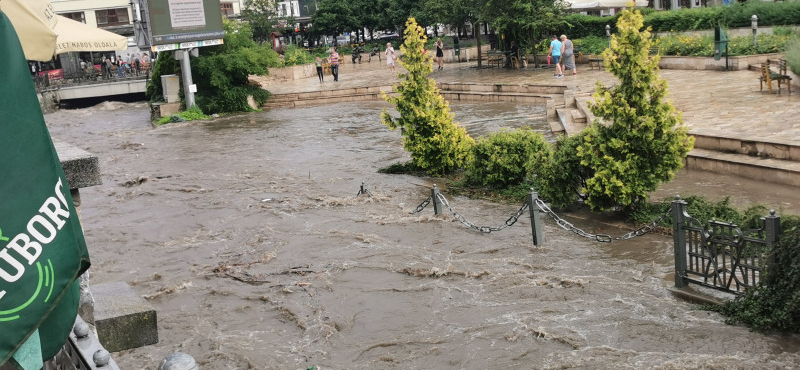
{"x":603,"y":4}
{"x":76,"y":36}
{"x":33,"y":21}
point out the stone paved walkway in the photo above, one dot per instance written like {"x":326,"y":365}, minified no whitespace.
{"x":727,"y":104}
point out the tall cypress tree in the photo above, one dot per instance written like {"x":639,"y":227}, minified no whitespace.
{"x":437,"y":144}
{"x":640,"y":141}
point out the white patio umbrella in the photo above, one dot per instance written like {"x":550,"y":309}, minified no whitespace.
{"x":76,"y":36}
{"x":33,"y":21}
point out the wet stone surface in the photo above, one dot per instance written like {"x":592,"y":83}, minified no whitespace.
{"x":245,"y":234}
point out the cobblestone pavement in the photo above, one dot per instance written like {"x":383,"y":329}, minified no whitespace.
{"x":717,"y":103}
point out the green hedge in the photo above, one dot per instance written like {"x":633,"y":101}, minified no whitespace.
{"x":738,"y":15}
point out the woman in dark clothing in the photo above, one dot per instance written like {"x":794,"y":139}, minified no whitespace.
{"x":439,"y":52}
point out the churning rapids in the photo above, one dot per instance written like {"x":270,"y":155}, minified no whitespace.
{"x":246,"y":235}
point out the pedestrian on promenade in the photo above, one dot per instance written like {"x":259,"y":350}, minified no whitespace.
{"x":440,"y":52}
{"x":136,"y":63}
{"x":120,"y":67}
{"x":334,"y":60}
{"x":107,"y":68}
{"x":318,"y":63}
{"x":555,"y":53}
{"x":568,"y":55}
{"x":391,"y":58}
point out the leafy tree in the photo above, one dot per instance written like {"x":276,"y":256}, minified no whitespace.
{"x":641,"y":141}
{"x":522,"y":19}
{"x":221,"y":72}
{"x":437,"y":144}
{"x":333,"y":17}
{"x":262,"y":15}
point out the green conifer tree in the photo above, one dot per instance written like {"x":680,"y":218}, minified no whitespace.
{"x":638,"y":141}
{"x":437,"y":144}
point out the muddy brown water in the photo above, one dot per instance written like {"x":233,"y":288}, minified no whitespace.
{"x":246,"y":235}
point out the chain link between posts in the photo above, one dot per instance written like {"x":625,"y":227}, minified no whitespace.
{"x":564,"y":224}
{"x":603,"y":238}
{"x":484,"y":229}
{"x":422,"y":205}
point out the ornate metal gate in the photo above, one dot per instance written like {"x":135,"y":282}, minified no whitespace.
{"x":719,"y":255}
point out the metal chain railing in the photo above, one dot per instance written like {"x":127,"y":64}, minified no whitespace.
{"x":484,"y":229}
{"x":603,"y":238}
{"x":422,"y":206}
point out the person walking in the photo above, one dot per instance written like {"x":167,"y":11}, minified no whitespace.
{"x":318,"y":63}
{"x":391,"y":58}
{"x":120,"y":67}
{"x":440,"y":52}
{"x":555,"y":53}
{"x":334,"y":60}
{"x":568,"y":55}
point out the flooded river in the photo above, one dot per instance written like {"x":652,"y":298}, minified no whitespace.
{"x":246,"y":235}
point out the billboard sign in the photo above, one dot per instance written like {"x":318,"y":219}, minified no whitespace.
{"x":180,"y":21}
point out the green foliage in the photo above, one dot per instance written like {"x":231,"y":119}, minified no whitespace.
{"x":436,"y":143}
{"x":793,"y":55}
{"x":700,"y":208}
{"x":221,"y":72}
{"x":295,"y":55}
{"x":774,"y":304}
{"x":506,"y":158}
{"x":192,"y":114}
{"x":691,"y":19}
{"x":579,"y":26}
{"x":591,"y":44}
{"x":261,"y":15}
{"x":561,"y":179}
{"x":165,"y":65}
{"x":403,"y":168}
{"x":695,"y":45}
{"x":641,"y":141}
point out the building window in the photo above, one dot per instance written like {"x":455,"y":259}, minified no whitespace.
{"x":283,"y":10}
{"x":226,"y":8}
{"x":75,"y":16}
{"x":112,"y":17}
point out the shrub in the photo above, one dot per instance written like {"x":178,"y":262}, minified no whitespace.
{"x":793,"y":55}
{"x":562,"y":178}
{"x":592,"y":44}
{"x":774,"y":304}
{"x":769,"y":14}
{"x":191,"y":114}
{"x":295,"y":55}
{"x":642,"y":141}
{"x":436,"y":143}
{"x":505,"y":158}
{"x":221,"y":72}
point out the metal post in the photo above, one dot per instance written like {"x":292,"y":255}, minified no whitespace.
{"x":536,"y":220}
{"x":608,"y":34}
{"x":679,"y":238}
{"x":754,"y":26}
{"x":772,"y":228}
{"x":437,"y":205}
{"x":186,"y":71}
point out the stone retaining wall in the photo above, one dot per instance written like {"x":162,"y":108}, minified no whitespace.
{"x":698,"y":63}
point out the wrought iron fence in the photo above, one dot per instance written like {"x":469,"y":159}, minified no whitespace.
{"x":719,"y":255}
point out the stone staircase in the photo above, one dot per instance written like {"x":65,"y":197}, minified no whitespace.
{"x":535,"y":94}
{"x":759,"y":159}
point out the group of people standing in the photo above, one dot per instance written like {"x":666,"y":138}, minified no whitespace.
{"x":131,"y":64}
{"x":562,"y":53}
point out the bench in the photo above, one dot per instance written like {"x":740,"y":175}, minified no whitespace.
{"x":767,"y":76}
{"x":495,"y":57}
{"x":596,"y":62}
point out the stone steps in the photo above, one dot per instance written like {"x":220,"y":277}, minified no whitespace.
{"x":780,"y":171}
{"x":534,"y":94}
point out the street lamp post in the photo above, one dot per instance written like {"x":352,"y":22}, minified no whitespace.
{"x":608,"y":34}
{"x":754,"y":26}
